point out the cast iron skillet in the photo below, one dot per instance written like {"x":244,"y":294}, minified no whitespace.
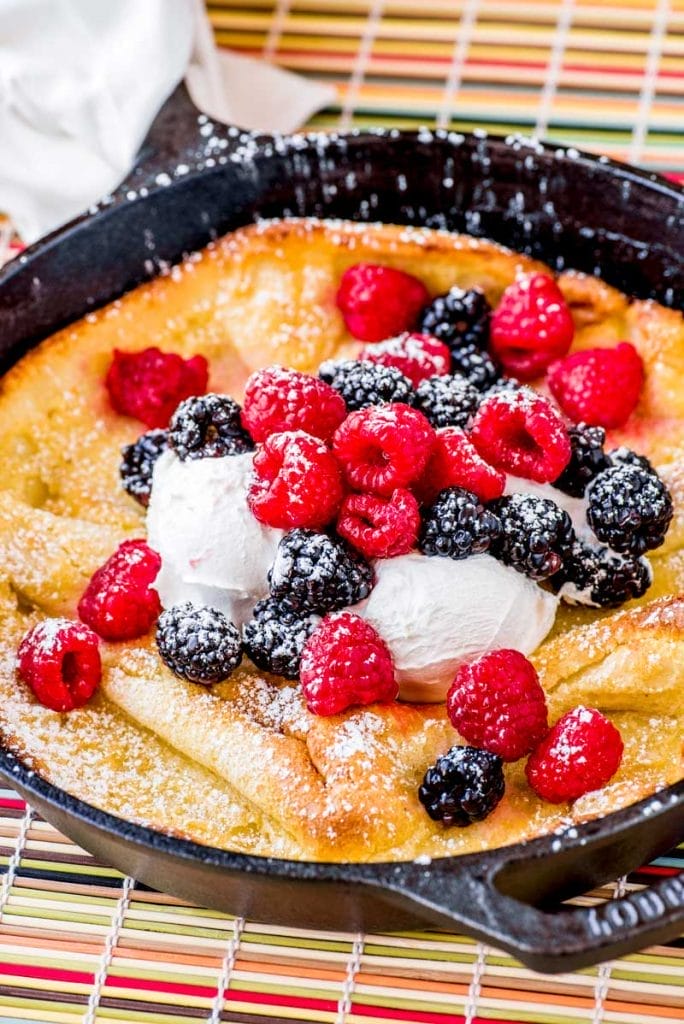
{"x":196,"y":180}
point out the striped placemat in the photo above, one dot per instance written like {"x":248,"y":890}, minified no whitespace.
{"x":80,"y":943}
{"x":603,"y":75}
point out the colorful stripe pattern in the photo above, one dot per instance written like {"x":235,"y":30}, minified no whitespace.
{"x":595,"y":74}
{"x":79,"y":944}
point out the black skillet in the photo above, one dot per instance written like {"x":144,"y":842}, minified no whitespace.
{"x":195,"y":180}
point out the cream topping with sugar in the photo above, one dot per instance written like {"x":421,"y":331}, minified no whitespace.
{"x":435,"y":613}
{"x":213,"y":551}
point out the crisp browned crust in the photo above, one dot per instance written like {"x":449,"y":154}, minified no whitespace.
{"x":244,"y":765}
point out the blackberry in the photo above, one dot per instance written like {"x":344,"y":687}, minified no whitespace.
{"x":604,"y":578}
{"x":362,"y":383}
{"x":629,"y":509}
{"x":504,"y":384}
{"x":456,"y":525}
{"x":458,"y":318}
{"x":536,"y":535}
{"x":208,"y":427}
{"x":476,"y":366}
{"x":198,"y":643}
{"x":586,"y":461}
{"x":447,"y":401}
{"x":316,"y":573}
{"x":275,"y":636}
{"x":137,"y":464}
{"x":626,"y":457}
{"x":463,"y":786}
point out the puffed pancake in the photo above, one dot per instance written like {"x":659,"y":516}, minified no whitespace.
{"x":244,"y":764}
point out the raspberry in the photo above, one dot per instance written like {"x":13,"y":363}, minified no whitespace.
{"x":536,"y":535}
{"x":137,"y":464}
{"x":417,"y":356}
{"x":587,"y":459}
{"x":497,"y":703}
{"x":362,"y":383}
{"x":378,"y":302}
{"x":520,"y":432}
{"x":275,"y":636}
{"x":296,"y":482}
{"x":346,"y":662}
{"x":463,"y":786}
{"x":531,"y":326}
{"x":60,"y":661}
{"x":198,"y":643}
{"x":119,"y":603}
{"x":458,"y":318}
{"x":380,"y":527}
{"x":383,"y":447}
{"x":629,"y":508}
{"x":278,"y":399}
{"x":581,"y":753}
{"x":208,"y":427}
{"x":447,"y":401}
{"x":457,"y":525}
{"x":148,"y":385}
{"x":312,"y":572}
{"x":456,"y":462}
{"x":600,"y":386}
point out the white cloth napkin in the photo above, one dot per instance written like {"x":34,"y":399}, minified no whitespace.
{"x":81,"y":82}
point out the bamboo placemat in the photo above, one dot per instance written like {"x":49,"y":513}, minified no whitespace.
{"x":603,"y":75}
{"x":81,"y":944}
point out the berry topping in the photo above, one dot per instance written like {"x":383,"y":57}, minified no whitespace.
{"x":362,"y":383}
{"x":380,"y":527}
{"x":457,"y":525}
{"x":346,"y":662}
{"x":601,"y":577}
{"x":384,"y":447}
{"x":447,"y":401}
{"x":600,"y":386}
{"x":120,"y":603}
{"x":587,"y":459}
{"x":316,"y":573}
{"x":208,"y":427}
{"x":630,"y":508}
{"x":463,"y":786}
{"x":581,"y":753}
{"x":137,"y":464}
{"x":520,"y":432}
{"x":626,"y":457}
{"x":296,"y":482}
{"x":198,"y":643}
{"x":531,"y":326}
{"x":536,"y":535}
{"x":60,"y":661}
{"x":456,"y":462}
{"x":274,"y":638}
{"x":417,"y":356}
{"x":378,"y":302}
{"x":476,"y":366}
{"x":497,"y":703}
{"x":458,"y":318}
{"x":148,"y":385}
{"x":278,"y":399}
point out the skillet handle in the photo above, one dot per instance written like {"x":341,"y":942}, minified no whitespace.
{"x":179,"y":139}
{"x":510,"y":897}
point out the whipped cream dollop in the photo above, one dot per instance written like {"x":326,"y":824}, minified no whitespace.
{"x":213,"y":551}
{"x":435,"y":613}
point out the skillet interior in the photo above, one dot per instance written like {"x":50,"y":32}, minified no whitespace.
{"x":533,"y":199}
